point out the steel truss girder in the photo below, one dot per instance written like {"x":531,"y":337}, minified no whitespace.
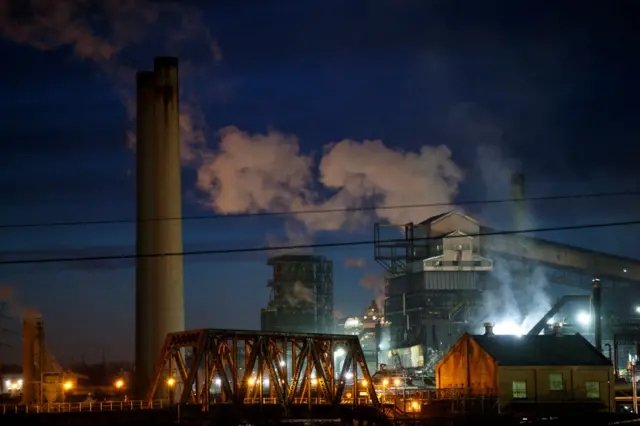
{"x":259,"y":368}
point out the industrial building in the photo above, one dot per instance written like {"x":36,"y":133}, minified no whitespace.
{"x":524,"y":370}
{"x":368,"y":329}
{"x":447,"y":271}
{"x":301,"y":298}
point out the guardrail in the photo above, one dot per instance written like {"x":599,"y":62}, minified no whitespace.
{"x":79,"y":407}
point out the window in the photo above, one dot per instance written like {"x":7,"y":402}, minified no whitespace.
{"x":593,"y":390}
{"x":555,"y":382}
{"x":519,"y":389}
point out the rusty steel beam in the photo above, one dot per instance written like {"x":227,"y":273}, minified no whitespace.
{"x":249,"y":368}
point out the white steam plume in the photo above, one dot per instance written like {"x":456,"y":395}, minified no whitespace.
{"x":300,"y":295}
{"x":261,"y":172}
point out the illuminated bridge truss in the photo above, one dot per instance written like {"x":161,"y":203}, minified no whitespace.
{"x":209,"y":368}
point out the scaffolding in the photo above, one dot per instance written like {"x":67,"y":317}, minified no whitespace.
{"x":301,"y":298}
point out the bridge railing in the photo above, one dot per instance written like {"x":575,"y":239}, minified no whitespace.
{"x":78,"y":407}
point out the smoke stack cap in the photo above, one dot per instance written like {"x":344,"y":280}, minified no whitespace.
{"x":488,"y":329}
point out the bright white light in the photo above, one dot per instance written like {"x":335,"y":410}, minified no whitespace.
{"x":349,"y":375}
{"x":20,"y":382}
{"x":218,"y":382}
{"x":638,"y":309}
{"x":339,"y":352}
{"x":508,"y":327}
{"x":351,"y":322}
{"x":584,"y":318}
{"x":282,"y":363}
{"x":265,"y":381}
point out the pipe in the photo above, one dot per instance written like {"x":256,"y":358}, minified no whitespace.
{"x":28,"y":360}
{"x":488,"y":329}
{"x":597,"y":296}
{"x":519,"y":209}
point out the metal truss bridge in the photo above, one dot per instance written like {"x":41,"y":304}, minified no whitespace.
{"x":286,"y":375}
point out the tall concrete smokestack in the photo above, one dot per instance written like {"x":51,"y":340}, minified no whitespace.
{"x":159,"y":279}
{"x":520,"y":221}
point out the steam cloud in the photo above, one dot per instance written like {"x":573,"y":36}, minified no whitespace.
{"x":300,"y":295}
{"x":261,"y":172}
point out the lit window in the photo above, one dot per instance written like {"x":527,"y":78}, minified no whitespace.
{"x":593,"y":390}
{"x":519,"y":389}
{"x":555,"y":382}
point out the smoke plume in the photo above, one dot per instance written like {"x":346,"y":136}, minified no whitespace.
{"x":518,"y":300}
{"x":371,"y":280}
{"x":262,"y":172}
{"x":117,"y":35}
{"x":300,"y":295}
{"x":13,"y":306}
{"x":245,"y":172}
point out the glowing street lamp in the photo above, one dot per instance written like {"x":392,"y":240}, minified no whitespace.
{"x":171,"y":382}
{"x":68,"y":385}
{"x":119,"y":384}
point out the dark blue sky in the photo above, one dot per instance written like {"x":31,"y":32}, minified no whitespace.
{"x":549,"y":88}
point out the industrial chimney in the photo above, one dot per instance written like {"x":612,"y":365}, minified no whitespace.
{"x":488,"y":329}
{"x":159,"y":270}
{"x":519,"y":208}
{"x":597,"y":301}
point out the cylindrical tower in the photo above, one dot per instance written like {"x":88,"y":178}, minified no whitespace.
{"x":28,"y":360}
{"x":159,"y":279}
{"x":520,"y":221}
{"x":146,"y":159}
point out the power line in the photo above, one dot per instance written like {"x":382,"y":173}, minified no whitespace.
{"x":319,"y":211}
{"x":304,"y":246}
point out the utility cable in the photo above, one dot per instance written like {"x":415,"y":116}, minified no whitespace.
{"x":320,"y":211}
{"x":305,"y":246}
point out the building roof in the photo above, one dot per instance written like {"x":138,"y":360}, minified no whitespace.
{"x":437,"y":217}
{"x":541,"y":350}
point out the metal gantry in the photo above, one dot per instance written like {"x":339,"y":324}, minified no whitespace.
{"x":210,"y":367}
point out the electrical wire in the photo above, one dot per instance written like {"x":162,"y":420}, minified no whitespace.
{"x":304,"y":246}
{"x":319,"y":211}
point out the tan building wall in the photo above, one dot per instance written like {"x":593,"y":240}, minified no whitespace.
{"x":574,"y":383}
{"x":467,"y":366}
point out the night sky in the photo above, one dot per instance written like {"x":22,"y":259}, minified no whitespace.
{"x":278,"y":100}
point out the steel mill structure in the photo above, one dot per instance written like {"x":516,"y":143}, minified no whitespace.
{"x":443,"y":273}
{"x":301,"y":299}
{"x":159,"y":275}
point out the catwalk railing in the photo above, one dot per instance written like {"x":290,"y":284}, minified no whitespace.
{"x":205,"y":367}
{"x":80,"y":407}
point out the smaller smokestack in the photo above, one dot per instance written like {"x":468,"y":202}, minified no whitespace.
{"x":488,"y":329}
{"x":597,"y":299}
{"x":519,"y":208}
{"x":557,"y":329}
